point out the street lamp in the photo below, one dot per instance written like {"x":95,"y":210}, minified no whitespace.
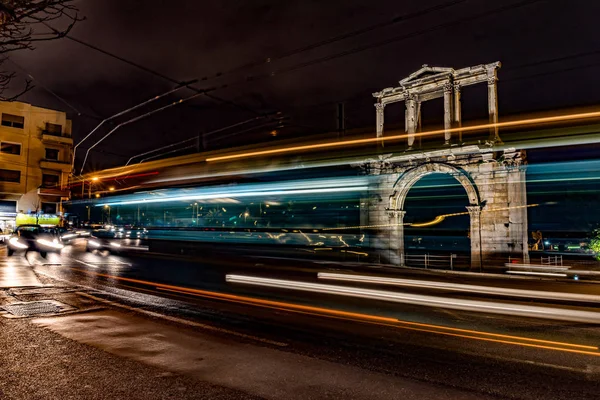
{"x":94,"y":179}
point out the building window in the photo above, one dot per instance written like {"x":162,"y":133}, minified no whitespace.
{"x":50,"y":180}
{"x":8,"y":175}
{"x":15,"y":121}
{"x":53,"y":129}
{"x":10,"y":148}
{"x":8,"y":206}
{"x":49,"y":208}
{"x":52,"y":154}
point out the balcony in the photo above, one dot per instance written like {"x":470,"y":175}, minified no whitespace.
{"x":55,"y":165}
{"x":54,"y":137}
{"x":53,"y":191}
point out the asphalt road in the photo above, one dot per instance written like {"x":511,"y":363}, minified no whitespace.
{"x":486,"y":353}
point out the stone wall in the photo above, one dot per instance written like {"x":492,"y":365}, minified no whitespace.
{"x":495,"y":186}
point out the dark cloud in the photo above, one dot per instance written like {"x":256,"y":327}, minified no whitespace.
{"x":190,"y":39}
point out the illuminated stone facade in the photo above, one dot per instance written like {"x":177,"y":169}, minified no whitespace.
{"x":493,"y":176}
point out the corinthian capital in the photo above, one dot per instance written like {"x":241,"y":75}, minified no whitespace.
{"x":448,"y":87}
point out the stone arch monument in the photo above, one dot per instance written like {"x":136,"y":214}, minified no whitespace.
{"x":493,"y":177}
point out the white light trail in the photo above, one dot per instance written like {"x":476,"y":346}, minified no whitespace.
{"x":536,"y":294}
{"x":424,"y":300}
{"x":255,"y":193}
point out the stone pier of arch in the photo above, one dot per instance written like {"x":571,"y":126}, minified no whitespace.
{"x":493,"y":181}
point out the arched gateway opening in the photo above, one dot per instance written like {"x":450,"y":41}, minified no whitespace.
{"x":436,"y":223}
{"x":409,"y":179}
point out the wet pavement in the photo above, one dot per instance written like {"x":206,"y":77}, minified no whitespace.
{"x":15,"y":273}
{"x":123,"y":339}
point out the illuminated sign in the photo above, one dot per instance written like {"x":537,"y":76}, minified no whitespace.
{"x":39,"y":219}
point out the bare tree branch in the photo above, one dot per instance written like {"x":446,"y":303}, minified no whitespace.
{"x":19,"y":20}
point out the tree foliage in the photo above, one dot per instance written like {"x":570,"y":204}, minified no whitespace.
{"x":25,"y":22}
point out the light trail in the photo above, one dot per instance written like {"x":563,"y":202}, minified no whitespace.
{"x":300,"y":187}
{"x":423,"y":300}
{"x":524,"y":122}
{"x":536,"y":294}
{"x":538,"y":142}
{"x":367,"y":318}
{"x":237,"y":195}
{"x":436,"y":220}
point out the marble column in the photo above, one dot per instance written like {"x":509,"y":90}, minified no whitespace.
{"x":411,"y":120}
{"x":457,"y":120}
{"x":396,"y":218}
{"x":448,"y":112}
{"x":475,"y":234}
{"x":493,"y":103}
{"x":379,"y":118}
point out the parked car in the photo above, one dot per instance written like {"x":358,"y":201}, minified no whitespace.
{"x":103,"y":240}
{"x":35,"y":238}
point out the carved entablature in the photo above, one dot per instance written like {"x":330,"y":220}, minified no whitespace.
{"x":430,"y":82}
{"x":513,"y":158}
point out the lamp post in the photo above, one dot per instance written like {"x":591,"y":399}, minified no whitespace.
{"x":94,"y":179}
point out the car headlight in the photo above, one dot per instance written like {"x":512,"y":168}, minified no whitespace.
{"x":15,"y":242}
{"x":93,"y":243}
{"x":53,"y":244}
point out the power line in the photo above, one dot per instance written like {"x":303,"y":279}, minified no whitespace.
{"x":156,"y":73}
{"x":555,"y":60}
{"x":338,"y":38}
{"x":394,"y":39}
{"x":398,"y":19}
{"x":45,"y":87}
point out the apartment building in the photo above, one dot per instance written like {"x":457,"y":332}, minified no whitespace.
{"x":36,"y":150}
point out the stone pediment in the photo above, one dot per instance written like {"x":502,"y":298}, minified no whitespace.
{"x":427,"y":72}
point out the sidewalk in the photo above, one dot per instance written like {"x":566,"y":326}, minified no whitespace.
{"x":93,"y":349}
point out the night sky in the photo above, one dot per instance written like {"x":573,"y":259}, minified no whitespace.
{"x":550,"y":51}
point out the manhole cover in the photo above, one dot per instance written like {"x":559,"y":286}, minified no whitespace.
{"x":32,"y":308}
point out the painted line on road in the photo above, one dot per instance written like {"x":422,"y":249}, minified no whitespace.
{"x":84,"y":263}
{"x":366,"y":318}
{"x":100,"y":263}
{"x":538,"y":294}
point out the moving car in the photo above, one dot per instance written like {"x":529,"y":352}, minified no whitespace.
{"x":67,"y":235}
{"x":103,"y":240}
{"x":35,"y":238}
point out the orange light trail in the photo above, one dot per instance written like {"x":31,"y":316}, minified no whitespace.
{"x":365,"y":318}
{"x":530,"y":121}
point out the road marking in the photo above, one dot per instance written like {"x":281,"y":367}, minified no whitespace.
{"x":357,"y":317}
{"x":84,"y":263}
